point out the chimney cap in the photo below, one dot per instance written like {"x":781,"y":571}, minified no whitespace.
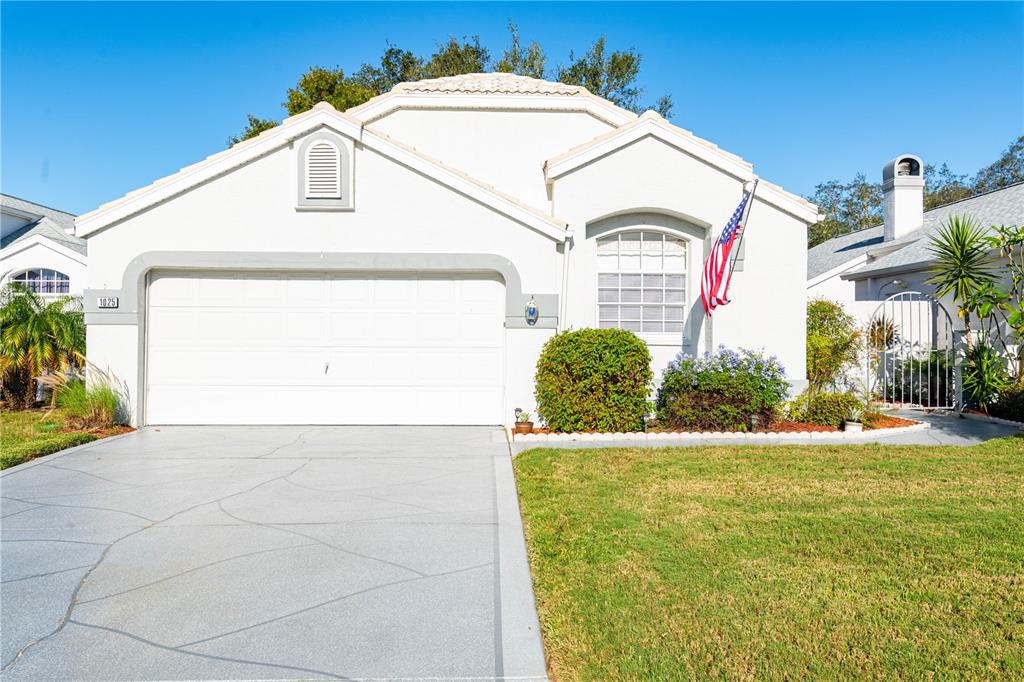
{"x":903,"y":166}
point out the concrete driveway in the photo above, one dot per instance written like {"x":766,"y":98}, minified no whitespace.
{"x":268,"y":553}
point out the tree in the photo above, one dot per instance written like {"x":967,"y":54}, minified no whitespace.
{"x":833,"y":344}
{"x":254,"y":127}
{"x":858,"y":204}
{"x":1007,"y":170}
{"x":529,"y":62}
{"x":325,"y":85}
{"x":612,"y":77}
{"x":37,"y":336}
{"x":454,"y":58}
{"x":847,"y":208}
{"x":960,"y":264}
{"x":396,"y":66}
{"x":943,"y":186}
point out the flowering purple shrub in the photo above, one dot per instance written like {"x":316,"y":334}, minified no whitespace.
{"x":720,"y":391}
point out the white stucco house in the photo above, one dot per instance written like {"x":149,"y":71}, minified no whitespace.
{"x":861,"y":269}
{"x":376,"y":265}
{"x":39,"y":249}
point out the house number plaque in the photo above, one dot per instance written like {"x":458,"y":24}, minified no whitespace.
{"x":106,"y":302}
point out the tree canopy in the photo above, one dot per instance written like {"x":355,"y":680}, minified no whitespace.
{"x":612,"y":74}
{"x":857,"y":204}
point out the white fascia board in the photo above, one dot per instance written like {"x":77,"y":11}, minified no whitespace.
{"x":838,"y":270}
{"x":214,"y":166}
{"x":45,"y":242}
{"x":291,"y":129}
{"x":786,"y":202}
{"x":566,"y":163}
{"x":458,"y":181}
{"x":602,"y":110}
{"x":687,"y":143}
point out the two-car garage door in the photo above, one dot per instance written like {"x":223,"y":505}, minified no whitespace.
{"x":324,"y":348}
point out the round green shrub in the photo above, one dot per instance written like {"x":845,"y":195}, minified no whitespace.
{"x":593,"y":379}
{"x":1010,"y":404}
{"x":720,"y":391}
{"x":825,"y":409}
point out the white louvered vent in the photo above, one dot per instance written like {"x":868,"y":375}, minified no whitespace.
{"x":323,"y":171}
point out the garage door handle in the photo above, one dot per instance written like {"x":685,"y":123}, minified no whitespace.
{"x":326,"y":366}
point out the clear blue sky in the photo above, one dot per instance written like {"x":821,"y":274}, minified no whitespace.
{"x":98,"y":99}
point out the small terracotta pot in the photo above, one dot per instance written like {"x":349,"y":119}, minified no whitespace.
{"x":524,"y":427}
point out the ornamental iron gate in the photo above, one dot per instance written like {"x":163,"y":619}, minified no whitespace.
{"x":912,"y":353}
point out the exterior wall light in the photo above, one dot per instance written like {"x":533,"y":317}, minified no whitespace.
{"x":532,"y":313}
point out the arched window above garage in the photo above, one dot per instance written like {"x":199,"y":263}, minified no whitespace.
{"x":324,"y":173}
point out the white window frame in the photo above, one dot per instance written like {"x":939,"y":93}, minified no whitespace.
{"x":653,"y":338}
{"x":67,"y":278}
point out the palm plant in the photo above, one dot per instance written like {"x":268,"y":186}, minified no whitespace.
{"x":37,"y":336}
{"x":961,"y":264}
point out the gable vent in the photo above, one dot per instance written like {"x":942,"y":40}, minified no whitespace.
{"x":323,"y":171}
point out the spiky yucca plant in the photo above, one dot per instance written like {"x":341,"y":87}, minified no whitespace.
{"x":37,"y":335}
{"x":961,"y":263}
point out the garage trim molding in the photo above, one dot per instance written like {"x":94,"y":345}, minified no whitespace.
{"x":131,"y":295}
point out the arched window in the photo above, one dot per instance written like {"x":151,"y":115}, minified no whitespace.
{"x":641,"y":281}
{"x":43,"y":281}
{"x":323,"y":170}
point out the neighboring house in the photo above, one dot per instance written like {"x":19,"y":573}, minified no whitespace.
{"x":38,"y":248}
{"x":863,"y":268}
{"x":379,"y":265}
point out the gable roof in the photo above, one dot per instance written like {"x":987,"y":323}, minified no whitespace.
{"x":1003,"y":206}
{"x":292,"y":128}
{"x":497,"y":91}
{"x":47,"y":228}
{"x":650,"y":124}
{"x":62,"y":218}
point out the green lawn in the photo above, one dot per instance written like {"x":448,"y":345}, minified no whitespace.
{"x":778,"y":562}
{"x":28,"y":434}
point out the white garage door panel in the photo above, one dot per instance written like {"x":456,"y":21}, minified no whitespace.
{"x":324,"y":349}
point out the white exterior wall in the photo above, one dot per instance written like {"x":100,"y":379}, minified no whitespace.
{"x":253,"y":210}
{"x":506,"y":149}
{"x":44,"y":253}
{"x":649,"y":176}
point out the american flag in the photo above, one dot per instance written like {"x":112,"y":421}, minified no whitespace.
{"x":714,"y":285}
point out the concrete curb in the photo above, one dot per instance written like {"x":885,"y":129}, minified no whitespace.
{"x":702,"y":436}
{"x":24,"y":466}
{"x":521,"y":644}
{"x":991,"y":420}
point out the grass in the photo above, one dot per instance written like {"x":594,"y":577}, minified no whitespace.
{"x":28,"y":434}
{"x":778,"y":562}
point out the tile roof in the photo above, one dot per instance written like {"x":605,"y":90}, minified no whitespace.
{"x":999,"y":207}
{"x":490,"y":84}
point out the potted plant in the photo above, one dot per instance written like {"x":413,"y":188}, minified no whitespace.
{"x":523,"y":423}
{"x":854,"y":420}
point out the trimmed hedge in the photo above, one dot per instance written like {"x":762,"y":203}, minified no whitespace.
{"x":825,"y":409}
{"x":720,"y":391}
{"x":594,"y":379}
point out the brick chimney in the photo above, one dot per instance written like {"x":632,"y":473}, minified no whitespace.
{"x":903,"y":187}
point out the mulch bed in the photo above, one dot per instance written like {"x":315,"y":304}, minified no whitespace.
{"x":887,"y":422}
{"x":786,"y":426}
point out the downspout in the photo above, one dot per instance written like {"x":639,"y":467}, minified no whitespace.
{"x":562,"y":304}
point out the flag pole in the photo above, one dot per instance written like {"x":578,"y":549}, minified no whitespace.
{"x":743,"y":231}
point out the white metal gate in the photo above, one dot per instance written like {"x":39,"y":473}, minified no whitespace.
{"x":912,"y":357}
